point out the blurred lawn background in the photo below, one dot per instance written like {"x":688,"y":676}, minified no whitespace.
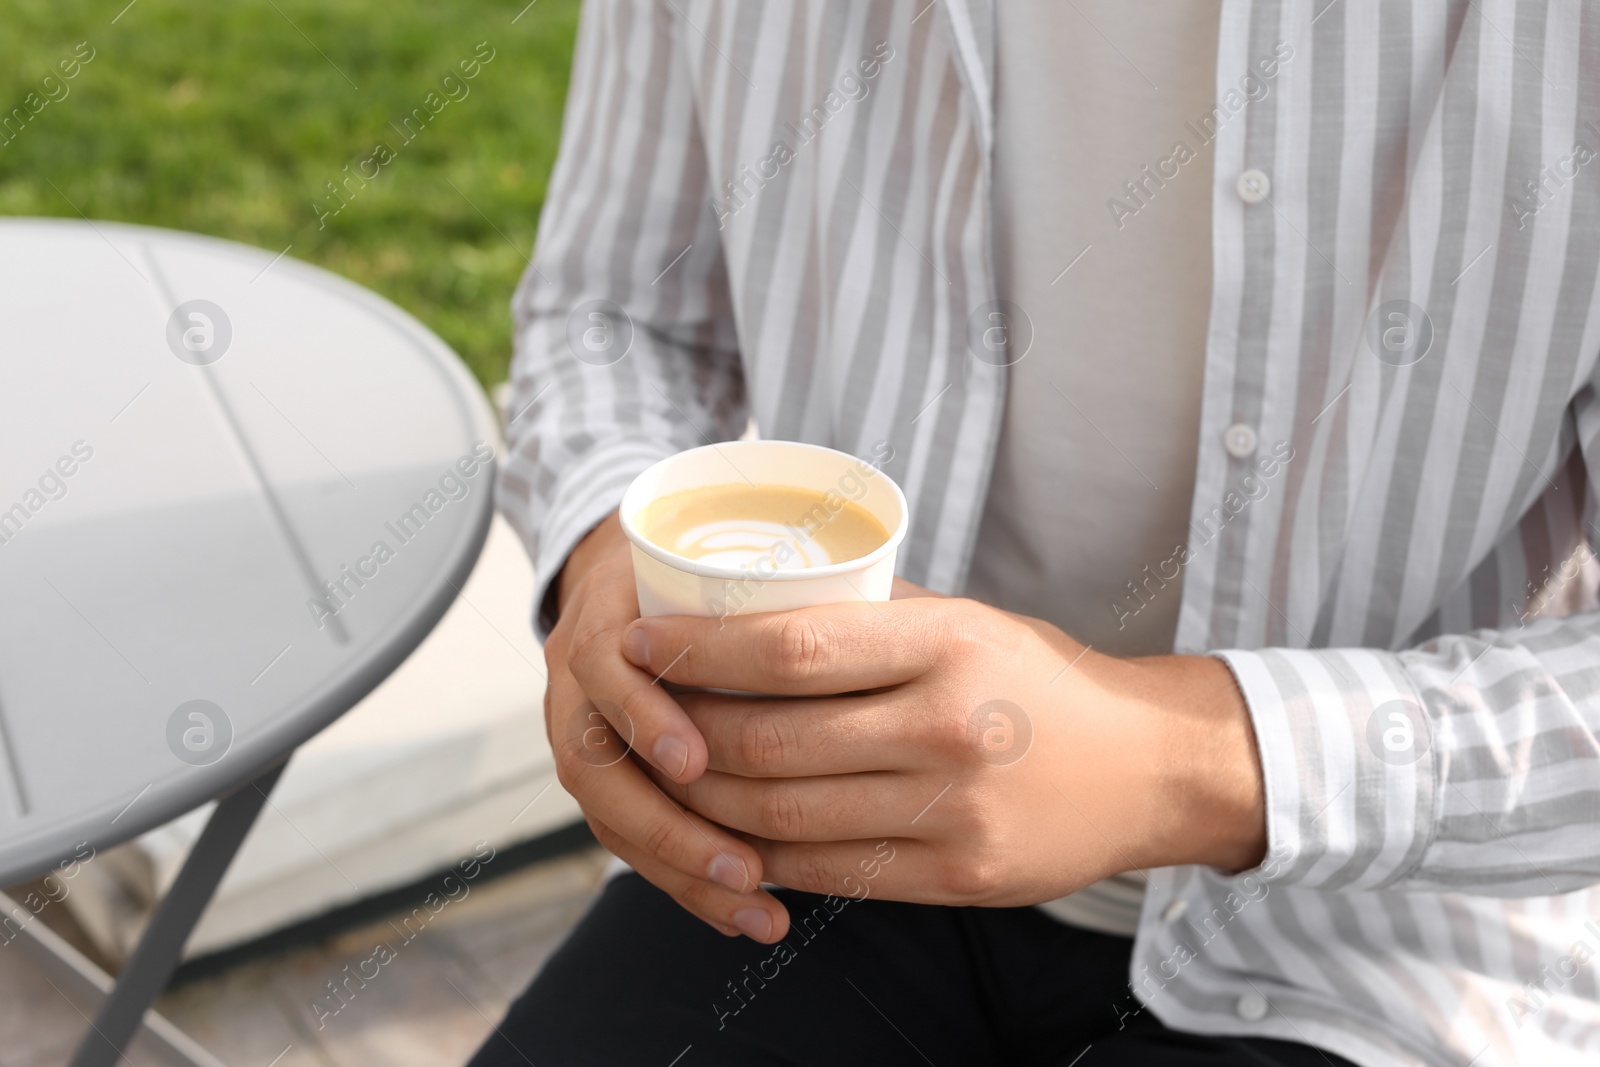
{"x":228,"y":118}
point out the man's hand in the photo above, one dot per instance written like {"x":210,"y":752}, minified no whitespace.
{"x":602,"y":714}
{"x":1005,"y":763}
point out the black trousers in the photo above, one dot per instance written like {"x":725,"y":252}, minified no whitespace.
{"x":640,"y":981}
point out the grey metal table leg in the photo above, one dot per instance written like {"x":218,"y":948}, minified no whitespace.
{"x":76,"y":977}
{"x":150,"y":968}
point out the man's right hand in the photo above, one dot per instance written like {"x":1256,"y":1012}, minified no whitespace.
{"x":601,"y":713}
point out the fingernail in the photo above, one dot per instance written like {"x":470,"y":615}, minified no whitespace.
{"x":754,"y":923}
{"x":671,"y":752}
{"x":730,"y":873}
{"x":636,"y":646}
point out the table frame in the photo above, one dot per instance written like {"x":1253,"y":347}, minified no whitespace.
{"x":150,"y":967}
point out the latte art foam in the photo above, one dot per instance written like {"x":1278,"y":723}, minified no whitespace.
{"x":741,"y":542}
{"x":763,"y":527}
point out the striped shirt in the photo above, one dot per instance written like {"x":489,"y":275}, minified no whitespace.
{"x":781,"y":209}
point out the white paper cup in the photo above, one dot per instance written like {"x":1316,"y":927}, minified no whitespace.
{"x":670,"y":584}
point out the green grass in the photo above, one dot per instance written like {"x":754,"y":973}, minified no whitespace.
{"x":223,"y":118}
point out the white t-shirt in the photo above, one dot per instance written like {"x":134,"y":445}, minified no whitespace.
{"x":1103,"y":177}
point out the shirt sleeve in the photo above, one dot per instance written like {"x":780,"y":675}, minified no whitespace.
{"x":1469,"y":764}
{"x":624,"y":337}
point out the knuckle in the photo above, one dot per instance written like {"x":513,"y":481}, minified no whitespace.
{"x":962,"y":821}
{"x":591,"y":639}
{"x":695,"y":896}
{"x":608,"y":838}
{"x":764,"y":740}
{"x":635,"y":702}
{"x":573,"y":731}
{"x":660,"y":838}
{"x":965,"y":626}
{"x":973,"y":879}
{"x":800,"y":648}
{"x":689,"y":664}
{"x":813,"y":873}
{"x":950,"y":735}
{"x":780,"y":814}
{"x":633,"y":707}
{"x":570,"y":769}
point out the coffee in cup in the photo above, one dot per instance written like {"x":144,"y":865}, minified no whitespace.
{"x":741,"y":525}
{"x":752,"y":526}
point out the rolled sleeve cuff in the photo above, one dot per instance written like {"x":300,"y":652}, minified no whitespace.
{"x":1349,"y":762}
{"x":588,"y":490}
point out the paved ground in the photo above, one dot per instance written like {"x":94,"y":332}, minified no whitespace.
{"x":431,"y":1002}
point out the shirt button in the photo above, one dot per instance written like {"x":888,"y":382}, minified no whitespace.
{"x":1239,"y":440}
{"x":1253,"y":186}
{"x":1171,"y":912}
{"x":1252,"y":1007}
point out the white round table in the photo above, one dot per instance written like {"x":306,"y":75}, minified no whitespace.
{"x":235,"y":492}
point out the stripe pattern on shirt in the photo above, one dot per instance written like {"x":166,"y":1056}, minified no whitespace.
{"x":1422,"y":549}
